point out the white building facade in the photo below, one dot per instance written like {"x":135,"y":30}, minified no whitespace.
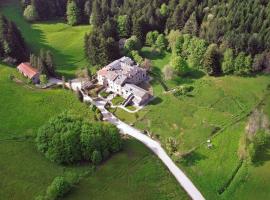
{"x":121,"y":77}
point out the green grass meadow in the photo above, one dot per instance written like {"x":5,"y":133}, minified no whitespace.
{"x":217,"y":108}
{"x":134,"y":173}
{"x":25,"y":173}
{"x":217,"y":105}
{"x":65,"y":42}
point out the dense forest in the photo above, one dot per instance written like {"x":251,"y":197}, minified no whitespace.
{"x":241,"y":25}
{"x":12,"y":45}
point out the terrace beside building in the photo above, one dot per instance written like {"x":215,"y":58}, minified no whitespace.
{"x":122,"y":77}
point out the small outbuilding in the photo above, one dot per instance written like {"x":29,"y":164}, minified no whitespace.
{"x":30,"y":72}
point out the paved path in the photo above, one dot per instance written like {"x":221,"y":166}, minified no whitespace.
{"x":184,"y":181}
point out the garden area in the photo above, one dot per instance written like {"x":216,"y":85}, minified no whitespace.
{"x":117,"y":100}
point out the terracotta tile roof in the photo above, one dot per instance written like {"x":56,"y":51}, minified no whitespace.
{"x":102,"y":72}
{"x":27,"y":70}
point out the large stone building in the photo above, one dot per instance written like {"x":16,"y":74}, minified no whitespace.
{"x":122,"y":77}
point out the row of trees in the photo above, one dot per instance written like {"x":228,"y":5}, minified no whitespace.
{"x":240,"y":25}
{"x":43,"y":62}
{"x":43,"y":9}
{"x":68,"y":139}
{"x":12,"y":46}
{"x":193,"y":53}
{"x":100,"y":47}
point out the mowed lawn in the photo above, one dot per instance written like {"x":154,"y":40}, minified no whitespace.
{"x":134,"y":173}
{"x":65,"y":42}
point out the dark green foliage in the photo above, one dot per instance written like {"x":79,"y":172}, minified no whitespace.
{"x":48,"y":9}
{"x":96,"y":157}
{"x":239,"y":25}
{"x":151,"y":38}
{"x":67,"y":139}
{"x":183,"y":90}
{"x":43,"y":62}
{"x":133,"y":43}
{"x":136,"y":57}
{"x":161,"y":42}
{"x":58,"y":188}
{"x":123,"y":25}
{"x":11,"y":41}
{"x":96,"y":16}
{"x":180,"y":65}
{"x":242,"y":64}
{"x":99,"y":49}
{"x":211,"y":60}
{"x":228,"y":61}
{"x":73,"y":13}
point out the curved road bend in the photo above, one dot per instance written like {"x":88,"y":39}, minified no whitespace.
{"x":180,"y":176}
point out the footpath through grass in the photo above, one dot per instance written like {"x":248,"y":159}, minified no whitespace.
{"x":65,"y":42}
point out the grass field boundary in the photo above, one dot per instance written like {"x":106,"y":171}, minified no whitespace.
{"x":230,"y":180}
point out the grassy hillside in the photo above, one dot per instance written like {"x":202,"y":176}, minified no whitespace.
{"x":135,"y":173}
{"x":65,"y":42}
{"x":217,"y":105}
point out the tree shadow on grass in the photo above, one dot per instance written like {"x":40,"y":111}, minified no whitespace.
{"x":156,"y":101}
{"x":36,"y":39}
{"x":192,"y":159}
{"x":151,"y":54}
{"x":262,"y":156}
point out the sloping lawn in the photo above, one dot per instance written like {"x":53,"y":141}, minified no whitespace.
{"x":214,"y":104}
{"x":257,"y":181}
{"x":65,"y":42}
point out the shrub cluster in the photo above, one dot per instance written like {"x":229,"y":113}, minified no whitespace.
{"x":183,"y":90}
{"x":59,"y":187}
{"x":67,"y":139}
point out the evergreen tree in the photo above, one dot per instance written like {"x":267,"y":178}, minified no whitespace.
{"x":88,"y":8}
{"x":161,"y":42}
{"x":30,"y":13}
{"x":73,"y":13}
{"x":151,"y":38}
{"x":243,"y":64}
{"x":228,"y":62}
{"x":191,"y":26}
{"x":211,"y":60}
{"x":123,"y":26}
{"x":164,"y":10}
{"x":96,"y":16}
{"x":179,"y":64}
{"x":49,"y":63}
{"x":138,"y":29}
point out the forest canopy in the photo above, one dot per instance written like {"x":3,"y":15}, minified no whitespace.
{"x":12,"y":46}
{"x":242,"y":25}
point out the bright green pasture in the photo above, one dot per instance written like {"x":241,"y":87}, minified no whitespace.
{"x":65,"y":42}
{"x":134,"y":173}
